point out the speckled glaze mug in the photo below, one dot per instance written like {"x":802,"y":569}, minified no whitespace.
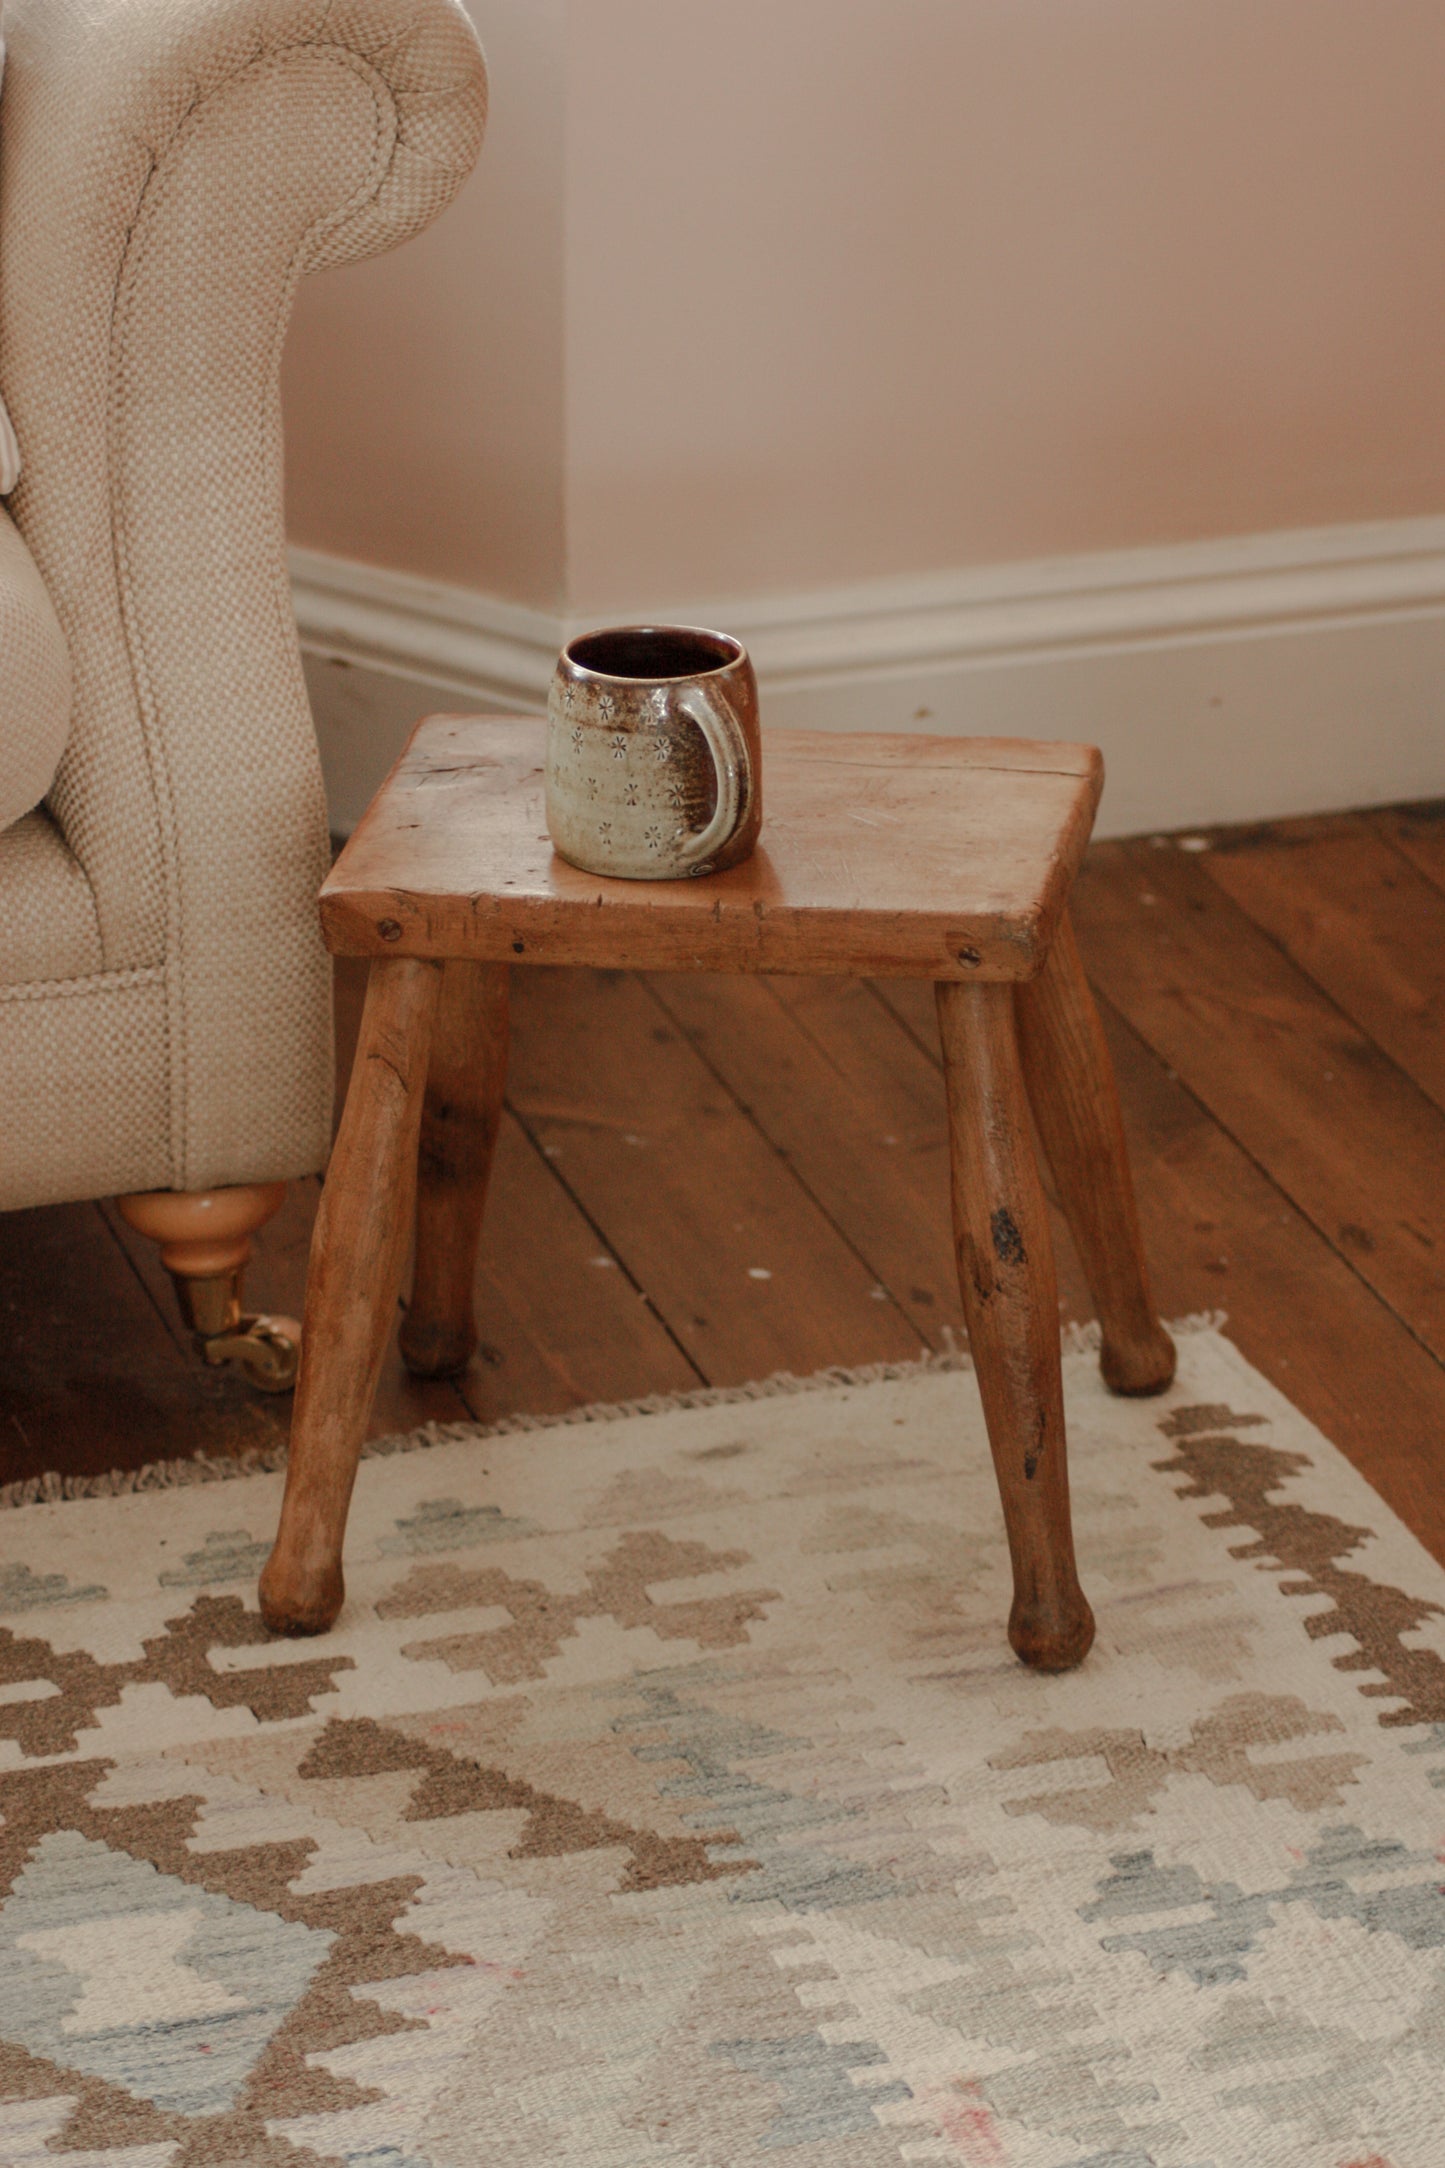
{"x":654,"y":757}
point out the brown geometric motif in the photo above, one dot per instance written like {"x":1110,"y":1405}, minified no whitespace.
{"x":103,"y":2114}
{"x":1218,"y":1749}
{"x":283,"y":2083}
{"x":542,"y":1620}
{"x":177,"y":1659}
{"x":555,"y":1827}
{"x":1375,"y":1615}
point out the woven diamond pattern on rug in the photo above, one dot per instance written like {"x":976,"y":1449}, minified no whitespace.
{"x":668,"y":1797}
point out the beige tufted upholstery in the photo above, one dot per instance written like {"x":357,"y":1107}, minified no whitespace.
{"x":168,"y":170}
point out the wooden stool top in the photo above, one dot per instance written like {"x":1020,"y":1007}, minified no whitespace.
{"x":881,"y":856}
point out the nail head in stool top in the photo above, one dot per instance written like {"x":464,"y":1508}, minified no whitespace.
{"x":949,"y":859}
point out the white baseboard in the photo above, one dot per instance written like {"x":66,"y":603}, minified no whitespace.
{"x":1242,"y":679}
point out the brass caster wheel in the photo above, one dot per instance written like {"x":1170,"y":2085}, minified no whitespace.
{"x":205,"y":1237}
{"x":266,"y":1349}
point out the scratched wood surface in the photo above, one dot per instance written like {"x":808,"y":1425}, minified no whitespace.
{"x":946,"y":857}
{"x":1232,"y":977}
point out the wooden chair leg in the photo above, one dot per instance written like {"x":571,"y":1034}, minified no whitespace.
{"x":356,"y":1258}
{"x":205,"y":1237}
{"x":1075,"y":1099}
{"x":1010,"y":1299}
{"x":463,"y":1108}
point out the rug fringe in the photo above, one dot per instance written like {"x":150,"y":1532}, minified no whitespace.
{"x":55,"y":1488}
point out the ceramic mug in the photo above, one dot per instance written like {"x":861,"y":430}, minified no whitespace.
{"x":654,"y":758}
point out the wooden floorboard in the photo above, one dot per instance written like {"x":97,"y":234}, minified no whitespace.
{"x":561,"y":1324}
{"x":854,"y":1109}
{"x":703,"y":1180}
{"x":702,"y":1209}
{"x":1419,"y":832}
{"x":93,"y":1377}
{"x":1309,"y":1096}
{"x":1220,"y":1233}
{"x":1353,"y":911}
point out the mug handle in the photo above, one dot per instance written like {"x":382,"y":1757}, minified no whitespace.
{"x":723,"y":734}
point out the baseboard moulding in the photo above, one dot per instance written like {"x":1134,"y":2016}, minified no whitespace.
{"x":1244,"y":678}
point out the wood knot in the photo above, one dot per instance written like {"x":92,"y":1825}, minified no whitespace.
{"x":1008,"y":1243}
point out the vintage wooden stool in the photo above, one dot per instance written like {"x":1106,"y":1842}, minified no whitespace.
{"x":911,"y":857}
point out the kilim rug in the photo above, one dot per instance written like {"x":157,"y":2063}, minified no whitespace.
{"x":668,"y":1798}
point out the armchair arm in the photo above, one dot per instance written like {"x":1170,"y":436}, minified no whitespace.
{"x":168,"y":170}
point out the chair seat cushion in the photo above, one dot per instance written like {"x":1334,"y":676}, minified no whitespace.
{"x":83,"y":1070}
{"x":46,"y":907}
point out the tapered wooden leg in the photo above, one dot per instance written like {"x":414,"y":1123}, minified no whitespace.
{"x":1076,"y":1105}
{"x":356,"y":1258}
{"x":1010,"y":1300}
{"x":459,"y":1121}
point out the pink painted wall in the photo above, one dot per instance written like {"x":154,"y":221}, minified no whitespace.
{"x":423,"y":389}
{"x":834,"y":289}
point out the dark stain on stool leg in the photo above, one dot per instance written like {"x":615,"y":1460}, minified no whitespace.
{"x":1008,"y":1243}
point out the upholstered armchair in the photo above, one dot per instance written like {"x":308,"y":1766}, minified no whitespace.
{"x":168,"y":170}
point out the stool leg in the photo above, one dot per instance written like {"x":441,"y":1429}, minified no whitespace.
{"x":1010,"y":1299}
{"x":464,"y":1085}
{"x":356,"y":1258}
{"x":1075,"y":1100}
